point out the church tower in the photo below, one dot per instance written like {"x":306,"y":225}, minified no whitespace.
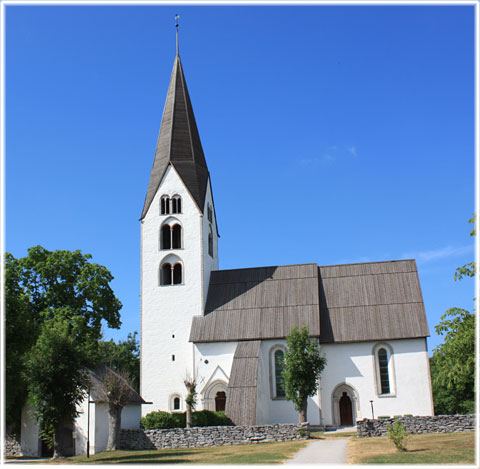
{"x":179,"y":249}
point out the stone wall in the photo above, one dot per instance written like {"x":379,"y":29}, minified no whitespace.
{"x":428,"y":424}
{"x":210,"y":436}
{"x":12,"y":446}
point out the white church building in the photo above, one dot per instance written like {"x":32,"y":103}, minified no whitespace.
{"x":227,"y":328}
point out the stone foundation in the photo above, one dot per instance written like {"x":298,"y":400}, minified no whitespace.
{"x":429,"y":424}
{"x":210,"y":436}
{"x":12,"y":446}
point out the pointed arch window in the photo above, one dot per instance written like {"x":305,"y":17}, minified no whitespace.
{"x":171,"y":236}
{"x":277,"y":356}
{"x":384,"y":370}
{"x":176,"y":204}
{"x":209,"y":213}
{"x":165,"y":205}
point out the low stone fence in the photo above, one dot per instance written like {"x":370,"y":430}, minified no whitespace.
{"x":12,"y":446}
{"x":210,"y":436}
{"x":428,"y":424}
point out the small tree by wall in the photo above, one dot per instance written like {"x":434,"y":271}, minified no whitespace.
{"x":303,"y":366}
{"x":191,"y":399}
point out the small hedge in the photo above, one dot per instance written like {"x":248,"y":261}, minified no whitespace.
{"x":203,"y":418}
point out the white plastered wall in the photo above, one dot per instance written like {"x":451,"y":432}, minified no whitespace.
{"x":167,"y":311}
{"x":29,"y":435}
{"x":354,"y":365}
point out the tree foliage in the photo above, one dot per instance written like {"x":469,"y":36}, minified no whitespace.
{"x":55,"y":301}
{"x":302,"y":368}
{"x":452,"y":365}
{"x":123,"y":356}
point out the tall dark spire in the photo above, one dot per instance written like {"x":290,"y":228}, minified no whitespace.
{"x":179,"y":143}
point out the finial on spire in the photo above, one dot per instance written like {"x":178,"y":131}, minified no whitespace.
{"x":177,"y":17}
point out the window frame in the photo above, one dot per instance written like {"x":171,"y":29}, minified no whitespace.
{"x":273,"y":375}
{"x":390,"y":369}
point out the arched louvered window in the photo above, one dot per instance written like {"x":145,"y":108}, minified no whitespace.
{"x":176,"y":237}
{"x":210,"y":243}
{"x":209,"y":213}
{"x":383,"y":371}
{"x":176,"y":204}
{"x":166,"y":274}
{"x":278,"y":357}
{"x":165,"y":205}
{"x":177,"y":274}
{"x":166,"y":237}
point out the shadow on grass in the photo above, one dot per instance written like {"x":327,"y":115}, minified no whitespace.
{"x":415,"y":450}
{"x":141,"y":458}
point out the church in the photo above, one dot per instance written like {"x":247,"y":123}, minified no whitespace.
{"x":226,"y":329}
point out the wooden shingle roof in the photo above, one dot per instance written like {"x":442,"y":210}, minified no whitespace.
{"x":340,"y":303}
{"x":179,"y":143}
{"x":259,"y":303}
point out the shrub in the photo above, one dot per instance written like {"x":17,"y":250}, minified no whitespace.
{"x":398,"y":435}
{"x":203,"y":418}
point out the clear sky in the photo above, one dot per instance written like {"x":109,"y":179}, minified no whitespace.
{"x":333,"y":134}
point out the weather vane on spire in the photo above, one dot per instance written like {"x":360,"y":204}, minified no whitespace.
{"x":177,"y":17}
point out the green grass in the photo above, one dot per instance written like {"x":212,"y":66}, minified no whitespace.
{"x":262,"y":453}
{"x":331,"y":435}
{"x":433,"y":448}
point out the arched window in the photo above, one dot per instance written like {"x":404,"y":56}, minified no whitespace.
{"x":278,"y":357}
{"x":165,"y":205}
{"x":177,"y":274}
{"x":176,"y":237}
{"x":383,"y":371}
{"x":176,"y":403}
{"x":166,"y":241}
{"x":220,"y":400}
{"x":166,"y":275}
{"x":176,"y":204}
{"x":210,"y":242}
{"x":209,"y":213}
{"x":171,"y":236}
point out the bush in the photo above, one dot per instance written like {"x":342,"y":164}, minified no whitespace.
{"x":398,"y":435}
{"x":203,"y":418}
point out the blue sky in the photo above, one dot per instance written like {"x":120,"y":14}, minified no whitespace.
{"x":333,"y":134}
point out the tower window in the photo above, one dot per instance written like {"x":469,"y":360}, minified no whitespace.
{"x":177,"y":274}
{"x":171,"y":237}
{"x":165,"y":205}
{"x":176,"y":204}
{"x":173,"y":358}
{"x":210,"y":243}
{"x":166,"y":276}
{"x":209,"y":213}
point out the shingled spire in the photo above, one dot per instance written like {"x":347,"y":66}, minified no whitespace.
{"x":179,"y":143}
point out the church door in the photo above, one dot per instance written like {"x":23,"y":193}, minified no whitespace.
{"x":345,"y":405}
{"x":220,"y":400}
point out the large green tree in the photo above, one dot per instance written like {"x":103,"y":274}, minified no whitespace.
{"x":453,"y":362}
{"x":302,"y":368}
{"x":63,"y":292}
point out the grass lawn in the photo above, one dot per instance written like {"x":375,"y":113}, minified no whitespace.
{"x":262,"y":453}
{"x":433,"y":448}
{"x":331,"y":435}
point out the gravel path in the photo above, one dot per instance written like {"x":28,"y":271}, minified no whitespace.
{"x":322,"y":452}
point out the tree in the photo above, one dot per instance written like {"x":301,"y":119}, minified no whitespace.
{"x":303,"y":366}
{"x":191,"y":399}
{"x":123,"y":356}
{"x":117,"y":392}
{"x":49,"y":291}
{"x":452,"y":365}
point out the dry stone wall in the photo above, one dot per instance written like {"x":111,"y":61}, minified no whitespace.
{"x":12,"y":446}
{"x":427,"y":424}
{"x":210,"y":436}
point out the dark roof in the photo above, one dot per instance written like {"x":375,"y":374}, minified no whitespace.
{"x":97,"y":392}
{"x":179,"y":143}
{"x":341,"y":303}
{"x":259,"y":303}
{"x":371,"y":301}
{"x":242,"y":385}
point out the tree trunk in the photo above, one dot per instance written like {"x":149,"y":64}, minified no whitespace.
{"x":189,"y":416}
{"x":59,"y":450}
{"x":114,"y":425}
{"x":302,"y":416}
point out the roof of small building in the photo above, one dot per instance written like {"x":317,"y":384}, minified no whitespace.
{"x":97,"y":392}
{"x":179,"y":143}
{"x":339,"y":303}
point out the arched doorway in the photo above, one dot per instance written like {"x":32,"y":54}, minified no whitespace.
{"x":220,"y":400}
{"x":345,"y":406}
{"x":210,"y":393}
